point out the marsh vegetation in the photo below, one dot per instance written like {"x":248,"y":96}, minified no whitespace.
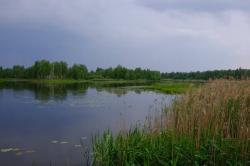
{"x":206,"y":126}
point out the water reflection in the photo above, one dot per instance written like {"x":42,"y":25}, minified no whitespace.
{"x":49,"y":123}
{"x":59,"y":92}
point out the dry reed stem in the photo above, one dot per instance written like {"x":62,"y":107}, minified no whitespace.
{"x":219,"y":108}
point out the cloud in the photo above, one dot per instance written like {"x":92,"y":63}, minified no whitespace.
{"x":196,"y":5}
{"x":163,"y":35}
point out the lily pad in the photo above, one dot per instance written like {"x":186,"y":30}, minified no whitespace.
{"x":16,"y":149}
{"x":78,"y":146}
{"x":6,"y":150}
{"x":54,"y":141}
{"x":30,"y":151}
{"x":84,"y":138}
{"x":19,"y":153}
{"x":64,"y":142}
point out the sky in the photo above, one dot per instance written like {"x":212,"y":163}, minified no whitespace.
{"x":165,"y":35}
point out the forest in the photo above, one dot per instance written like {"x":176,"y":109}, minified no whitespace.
{"x":206,"y":75}
{"x":44,"y":69}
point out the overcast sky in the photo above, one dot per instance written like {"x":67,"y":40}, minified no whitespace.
{"x":165,"y":35}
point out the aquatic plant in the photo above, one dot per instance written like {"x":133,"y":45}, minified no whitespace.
{"x":206,"y":126}
{"x":172,"y":87}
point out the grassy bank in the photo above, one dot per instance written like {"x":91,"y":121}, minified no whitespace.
{"x":206,"y":126}
{"x":172,"y":87}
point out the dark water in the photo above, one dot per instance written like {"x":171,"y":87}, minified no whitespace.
{"x":50,"y":124}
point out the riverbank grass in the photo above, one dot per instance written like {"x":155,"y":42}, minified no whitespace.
{"x":206,"y":126}
{"x":172,"y":87}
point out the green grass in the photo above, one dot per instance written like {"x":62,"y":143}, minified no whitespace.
{"x":172,"y":87}
{"x":138,"y":147}
{"x":208,"y":125}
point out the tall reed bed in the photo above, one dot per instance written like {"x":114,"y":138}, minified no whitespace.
{"x":206,"y":126}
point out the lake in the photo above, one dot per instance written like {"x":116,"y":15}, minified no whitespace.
{"x":43,"y":124}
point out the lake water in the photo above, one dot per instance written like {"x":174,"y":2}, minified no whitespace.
{"x":48,"y":124}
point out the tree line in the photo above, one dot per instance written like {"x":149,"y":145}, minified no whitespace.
{"x":44,"y":69}
{"x":206,"y":75}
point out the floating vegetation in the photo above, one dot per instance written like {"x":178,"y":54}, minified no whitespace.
{"x":6,"y":150}
{"x":84,"y":138}
{"x":58,"y":142}
{"x":15,"y":149}
{"x":30,"y":151}
{"x":64,"y":142}
{"x":77,"y":146}
{"x":172,"y":87}
{"x":19,"y":153}
{"x":54,"y":141}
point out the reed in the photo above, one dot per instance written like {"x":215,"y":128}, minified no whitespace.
{"x":205,"y":126}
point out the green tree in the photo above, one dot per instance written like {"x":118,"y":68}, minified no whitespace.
{"x":1,"y":72}
{"x":138,"y":73}
{"x":59,"y":70}
{"x":120,"y":72}
{"x":108,"y":73}
{"x":78,"y":71}
{"x":18,"y":71}
{"x":42,"y":69}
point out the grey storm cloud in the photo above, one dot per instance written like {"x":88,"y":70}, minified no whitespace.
{"x":197,"y":5}
{"x":167,"y":35}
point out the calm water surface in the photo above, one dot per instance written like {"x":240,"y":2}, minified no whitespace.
{"x":48,"y":124}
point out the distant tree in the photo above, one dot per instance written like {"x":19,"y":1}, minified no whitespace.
{"x":1,"y":72}
{"x":120,"y":72}
{"x":30,"y":72}
{"x":7,"y":73}
{"x":42,"y":69}
{"x":130,"y":75}
{"x":59,"y":70}
{"x":99,"y":73}
{"x":138,"y":73}
{"x":155,"y":75}
{"x":18,"y":71}
{"x":99,"y":70}
{"x":108,"y":73}
{"x":78,"y":71}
